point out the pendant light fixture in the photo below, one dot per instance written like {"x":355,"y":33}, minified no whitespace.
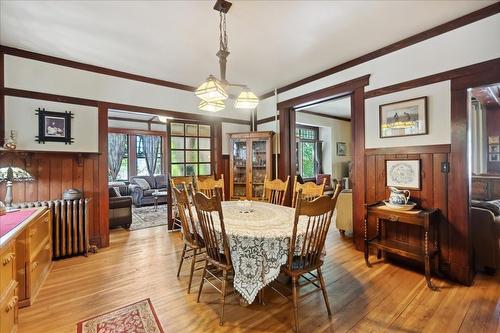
{"x":213,"y":92}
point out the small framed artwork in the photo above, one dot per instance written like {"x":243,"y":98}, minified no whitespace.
{"x":493,"y":140}
{"x":341,"y":148}
{"x":494,"y":158}
{"x":54,"y":126}
{"x":494,"y":148}
{"x":403,"y":174}
{"x":404,"y":118}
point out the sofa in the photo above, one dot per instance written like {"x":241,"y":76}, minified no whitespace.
{"x":485,"y":232}
{"x":142,"y":188}
{"x":120,"y":206}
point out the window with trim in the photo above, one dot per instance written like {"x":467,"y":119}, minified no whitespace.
{"x":123,"y":173}
{"x":190,"y":149}
{"x":142,"y":169}
{"x":308,"y":151}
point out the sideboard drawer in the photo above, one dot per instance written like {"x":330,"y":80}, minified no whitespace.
{"x":8,"y":310}
{"x":38,"y":233}
{"x":39,"y":268}
{"x":7,"y":265}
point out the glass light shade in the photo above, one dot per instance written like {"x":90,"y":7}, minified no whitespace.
{"x":246,"y":100}
{"x":211,"y":90}
{"x":15,"y":174}
{"x":211,"y":106}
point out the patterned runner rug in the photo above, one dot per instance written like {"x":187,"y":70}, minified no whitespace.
{"x":138,"y":317}
{"x":146,"y":217}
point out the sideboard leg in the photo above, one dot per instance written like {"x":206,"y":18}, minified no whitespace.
{"x":367,"y":250}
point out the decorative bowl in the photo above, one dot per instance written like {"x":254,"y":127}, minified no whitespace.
{"x":409,"y":206}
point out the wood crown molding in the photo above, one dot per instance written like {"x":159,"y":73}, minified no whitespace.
{"x":430,"y":149}
{"x":417,"y":38}
{"x":133,"y":131}
{"x":267,"y":120}
{"x":324,"y":115}
{"x":489,"y":65}
{"x":117,"y":106}
{"x":92,"y":68}
{"x":338,"y":90}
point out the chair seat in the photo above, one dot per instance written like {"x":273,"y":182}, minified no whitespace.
{"x":301,"y":266}
{"x":223,"y":264}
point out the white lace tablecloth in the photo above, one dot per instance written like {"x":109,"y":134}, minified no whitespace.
{"x":258,"y":242}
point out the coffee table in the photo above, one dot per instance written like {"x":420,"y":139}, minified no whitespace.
{"x":158,"y":194}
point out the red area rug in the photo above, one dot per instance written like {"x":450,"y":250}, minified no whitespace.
{"x":138,"y":317}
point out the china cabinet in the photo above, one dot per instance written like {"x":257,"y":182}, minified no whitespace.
{"x":250,"y":163}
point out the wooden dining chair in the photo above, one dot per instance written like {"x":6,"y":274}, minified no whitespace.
{"x":305,"y":252}
{"x":216,"y":261}
{"x":179,"y":182}
{"x":310,"y":190}
{"x":209,"y":186}
{"x":193,"y":242}
{"x":275,"y":191}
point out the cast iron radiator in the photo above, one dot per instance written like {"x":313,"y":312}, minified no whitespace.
{"x":70,"y":226}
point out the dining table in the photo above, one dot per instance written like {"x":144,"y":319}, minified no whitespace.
{"x":258,"y":235}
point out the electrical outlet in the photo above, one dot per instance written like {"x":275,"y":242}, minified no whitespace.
{"x":445,"y":167}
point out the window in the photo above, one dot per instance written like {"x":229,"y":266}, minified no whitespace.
{"x":190,"y":146}
{"x":308,"y":151}
{"x":142,"y":168}
{"x":123,"y":173}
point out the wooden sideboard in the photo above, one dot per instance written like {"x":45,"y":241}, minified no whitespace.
{"x":25,"y":259}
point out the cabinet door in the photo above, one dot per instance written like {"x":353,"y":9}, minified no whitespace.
{"x":259,"y":166}
{"x":239,"y":157}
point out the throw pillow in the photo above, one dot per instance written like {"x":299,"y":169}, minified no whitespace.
{"x":117,"y":191}
{"x":143,"y":183}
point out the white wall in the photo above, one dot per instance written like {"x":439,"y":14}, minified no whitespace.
{"x":438,"y":117}
{"x":339,"y":131}
{"x":44,"y":77}
{"x":471,"y":44}
{"x":231,"y":128}
{"x":20,"y":116}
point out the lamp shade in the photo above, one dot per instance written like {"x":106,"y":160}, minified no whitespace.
{"x":246,"y":100}
{"x":15,"y":174}
{"x":211,"y":106}
{"x":211,"y":90}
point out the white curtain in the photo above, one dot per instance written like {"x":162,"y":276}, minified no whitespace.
{"x":479,"y":154}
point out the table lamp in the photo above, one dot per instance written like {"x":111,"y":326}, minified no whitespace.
{"x":10,"y":175}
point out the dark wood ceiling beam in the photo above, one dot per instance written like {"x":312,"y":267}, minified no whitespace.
{"x":118,"y":106}
{"x":324,"y":115}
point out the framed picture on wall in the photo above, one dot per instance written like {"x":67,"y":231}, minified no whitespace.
{"x":404,"y":118}
{"x":494,"y":158}
{"x":493,"y":140}
{"x":494,"y":148}
{"x":341,"y":148}
{"x":54,"y":126}
{"x":403,"y":174}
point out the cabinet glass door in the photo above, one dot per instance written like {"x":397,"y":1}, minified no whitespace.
{"x":239,"y":168}
{"x":259,"y":167}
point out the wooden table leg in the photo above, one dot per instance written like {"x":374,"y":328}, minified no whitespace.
{"x":367,"y":250}
{"x":379,"y":236}
{"x":427,"y":262}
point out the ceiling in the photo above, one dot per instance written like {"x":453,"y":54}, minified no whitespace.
{"x":272,"y":43}
{"x":340,"y":107}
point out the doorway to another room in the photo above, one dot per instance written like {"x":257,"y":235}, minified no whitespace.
{"x":323,"y":152}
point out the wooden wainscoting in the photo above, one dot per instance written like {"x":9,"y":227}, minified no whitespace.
{"x":55,"y":172}
{"x":433,"y":192}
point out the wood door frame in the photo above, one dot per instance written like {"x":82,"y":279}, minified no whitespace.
{"x":459,"y":180}
{"x":287,"y":157}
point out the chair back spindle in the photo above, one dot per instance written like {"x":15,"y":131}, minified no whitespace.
{"x":209,"y":186}
{"x":316,"y":216}
{"x":309,"y":191}
{"x":184,"y":210}
{"x":207,"y":207}
{"x":275,"y":191}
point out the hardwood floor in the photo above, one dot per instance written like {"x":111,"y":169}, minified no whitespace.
{"x":142,"y":264}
